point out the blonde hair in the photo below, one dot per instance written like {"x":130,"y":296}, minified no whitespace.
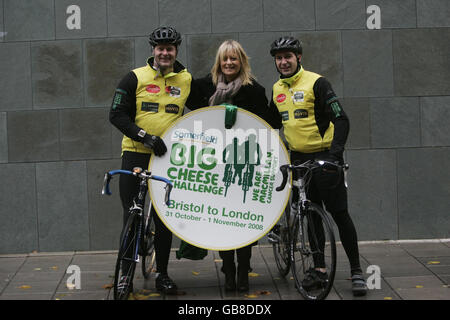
{"x":232,"y":47}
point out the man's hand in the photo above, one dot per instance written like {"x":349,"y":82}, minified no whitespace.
{"x":155,"y":143}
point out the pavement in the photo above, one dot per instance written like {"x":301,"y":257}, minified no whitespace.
{"x":409,"y":270}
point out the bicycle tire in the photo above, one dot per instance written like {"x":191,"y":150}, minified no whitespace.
{"x":282,"y":249}
{"x":305,"y":248}
{"x":128,"y":240}
{"x":148,"y":247}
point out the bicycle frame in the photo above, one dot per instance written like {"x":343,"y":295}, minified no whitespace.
{"x":139,"y":200}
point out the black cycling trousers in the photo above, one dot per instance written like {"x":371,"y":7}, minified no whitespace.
{"x":129,"y":188}
{"x":335,"y":201}
{"x":243,"y":258}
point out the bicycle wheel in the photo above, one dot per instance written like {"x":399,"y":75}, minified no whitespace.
{"x":126,"y":264}
{"x":281,"y":248}
{"x":148,"y":247}
{"x":313,"y":247}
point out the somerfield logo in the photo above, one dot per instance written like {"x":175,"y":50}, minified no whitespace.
{"x":195,"y":136}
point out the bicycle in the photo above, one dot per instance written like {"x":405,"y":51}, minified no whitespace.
{"x":304,"y":241}
{"x":136,"y":238}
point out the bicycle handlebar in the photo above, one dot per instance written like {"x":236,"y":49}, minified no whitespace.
{"x":309,"y":165}
{"x":141,"y":175}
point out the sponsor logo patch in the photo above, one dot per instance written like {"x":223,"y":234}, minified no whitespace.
{"x":281,"y":97}
{"x":150,"y":106}
{"x":298,"y":96}
{"x":300,"y":113}
{"x":173,"y":91}
{"x":284,"y":115}
{"x":152,"y":88}
{"x":172,"y":108}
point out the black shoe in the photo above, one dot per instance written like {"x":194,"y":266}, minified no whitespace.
{"x":165,"y":284}
{"x":314,"y":279}
{"x":359,"y":287}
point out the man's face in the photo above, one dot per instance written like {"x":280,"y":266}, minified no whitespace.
{"x":286,"y":62}
{"x":165,"y":55}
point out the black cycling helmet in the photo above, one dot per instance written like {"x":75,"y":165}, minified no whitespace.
{"x":166,"y":35}
{"x":286,"y":43}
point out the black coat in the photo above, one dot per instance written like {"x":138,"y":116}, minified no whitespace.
{"x":250,"y":97}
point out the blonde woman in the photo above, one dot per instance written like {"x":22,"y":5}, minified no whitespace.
{"x":231,"y":81}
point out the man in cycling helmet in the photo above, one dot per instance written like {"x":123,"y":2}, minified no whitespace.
{"x":146,"y":101}
{"x":316,"y":127}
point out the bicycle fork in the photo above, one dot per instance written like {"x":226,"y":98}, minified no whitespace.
{"x":137,"y":211}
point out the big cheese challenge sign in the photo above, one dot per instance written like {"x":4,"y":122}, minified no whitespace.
{"x":224,"y":179}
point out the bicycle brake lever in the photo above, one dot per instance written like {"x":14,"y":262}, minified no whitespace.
{"x":284,"y":171}
{"x":106,"y":180}
{"x":168,"y":188}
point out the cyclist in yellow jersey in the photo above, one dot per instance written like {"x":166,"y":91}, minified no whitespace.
{"x":146,"y":101}
{"x":316,"y":127}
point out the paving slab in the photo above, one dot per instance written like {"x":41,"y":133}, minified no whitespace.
{"x":398,"y":283}
{"x":426,"y":249}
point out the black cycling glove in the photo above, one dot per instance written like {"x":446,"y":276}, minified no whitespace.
{"x":155,"y":143}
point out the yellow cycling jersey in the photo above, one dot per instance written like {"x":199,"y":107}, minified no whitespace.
{"x":160,"y":101}
{"x":295,"y":100}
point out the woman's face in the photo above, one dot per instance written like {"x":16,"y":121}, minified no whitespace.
{"x":230,"y":66}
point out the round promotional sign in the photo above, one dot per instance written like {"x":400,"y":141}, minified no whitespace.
{"x":224,"y":180}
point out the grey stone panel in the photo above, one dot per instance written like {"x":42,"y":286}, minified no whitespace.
{"x":372,"y":193}
{"x":3,"y":138}
{"x":105,"y":212}
{"x":201,"y":52}
{"x":395,"y":122}
{"x":236,"y":16}
{"x":289,"y":15}
{"x":396,"y":14}
{"x":33,"y":136}
{"x":2,"y":29}
{"x":57,"y":78}
{"x":93,"y":19}
{"x":322,"y":54}
{"x":62,"y":206}
{"x":106,"y":62}
{"x":15,"y":68}
{"x":367,"y":69}
{"x":85,"y":134}
{"x":188,"y":17}
{"x":18,"y":230}
{"x":29,"y":20}
{"x":257,"y":46}
{"x":358,"y":112}
{"x":423,"y":193}
{"x":424,"y":74}
{"x":132,"y":18}
{"x":435,"y":112}
{"x":143,"y":51}
{"x":433,"y":13}
{"x":345,"y":14}
{"x":116,"y":139}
